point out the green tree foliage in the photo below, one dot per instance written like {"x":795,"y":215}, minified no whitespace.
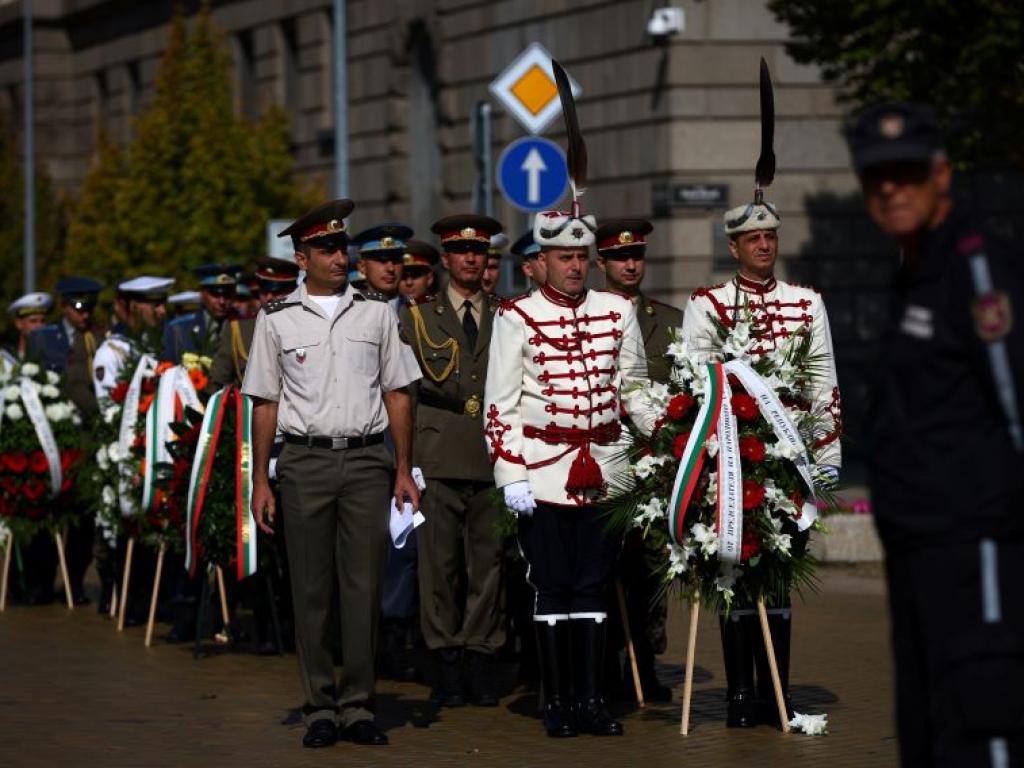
{"x":92,"y":229}
{"x":198,"y":182}
{"x":966,"y":57}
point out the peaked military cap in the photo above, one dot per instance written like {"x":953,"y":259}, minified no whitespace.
{"x":276,"y":274}
{"x":466,"y":230}
{"x":499,"y":243}
{"x":79,"y":292}
{"x":899,"y":132}
{"x":383,"y":240}
{"x":327,"y":220}
{"x":184,"y":299}
{"x":420,"y":254}
{"x":35,"y":303}
{"x":147,"y":287}
{"x":623,"y":236}
{"x":526,"y":247}
{"x":217,"y":275}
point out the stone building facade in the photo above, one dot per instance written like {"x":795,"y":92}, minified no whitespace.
{"x":665,"y":123}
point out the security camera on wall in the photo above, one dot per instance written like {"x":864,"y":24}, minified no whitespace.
{"x":665,"y":22}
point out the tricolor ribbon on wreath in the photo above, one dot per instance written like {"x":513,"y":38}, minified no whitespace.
{"x":716,"y":418}
{"x":145,"y":368}
{"x":174,"y":393}
{"x":202,"y":466}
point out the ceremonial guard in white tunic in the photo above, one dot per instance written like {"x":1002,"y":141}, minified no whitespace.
{"x":776,"y":311}
{"x":561,"y":362}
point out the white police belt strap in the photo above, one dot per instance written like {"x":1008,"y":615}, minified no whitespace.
{"x":785,"y":430}
{"x":998,"y":358}
{"x":34,"y":408}
{"x":126,"y":435}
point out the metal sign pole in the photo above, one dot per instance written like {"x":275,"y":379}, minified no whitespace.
{"x":340,"y":101}
{"x":29,"y":147}
{"x":487,"y":158}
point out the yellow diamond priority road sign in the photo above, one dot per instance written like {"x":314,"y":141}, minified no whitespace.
{"x":527,"y":89}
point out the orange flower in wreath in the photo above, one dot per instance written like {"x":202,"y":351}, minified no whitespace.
{"x":199,"y":379}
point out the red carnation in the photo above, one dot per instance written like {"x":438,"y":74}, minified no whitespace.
{"x":33,"y":489}
{"x":10,"y":485}
{"x":66,"y":483}
{"x":744,"y":406}
{"x":751,"y":449}
{"x":119,"y":392}
{"x":679,"y":444}
{"x":751,"y":544}
{"x":679,"y":406}
{"x":37,"y":462}
{"x":16,"y":461}
{"x":753,"y":494}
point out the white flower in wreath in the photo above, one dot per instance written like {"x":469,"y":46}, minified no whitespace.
{"x":812,"y":725}
{"x":57,"y":412}
{"x":780,"y":450}
{"x":658,"y":395}
{"x":13,"y":392}
{"x":726,"y":579}
{"x":102,"y":459}
{"x":706,"y":537}
{"x":116,"y":453}
{"x":711,"y":495}
{"x":110,"y":413}
{"x":711,"y":446}
{"x":52,"y":378}
{"x":648,"y":465}
{"x":49,"y":391}
{"x":30,"y":369}
{"x":739,"y":341}
{"x":108,"y":496}
{"x":649,"y":512}
{"x":678,"y":351}
{"x":13,"y":412}
{"x":678,"y":557}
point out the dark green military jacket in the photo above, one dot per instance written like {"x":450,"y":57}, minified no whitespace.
{"x":448,"y":439}
{"x":656,"y":319}
{"x":78,"y":373}
{"x":231,"y":353}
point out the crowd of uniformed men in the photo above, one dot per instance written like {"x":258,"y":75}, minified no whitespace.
{"x":407,"y":380}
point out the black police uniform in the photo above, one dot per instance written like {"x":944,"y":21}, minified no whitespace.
{"x":946,"y":481}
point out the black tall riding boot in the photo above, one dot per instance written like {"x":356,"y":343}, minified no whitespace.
{"x":780,"y":624}
{"x":738,"y":656}
{"x":553,"y":653}
{"x":588,"y":641}
{"x":449,"y":691}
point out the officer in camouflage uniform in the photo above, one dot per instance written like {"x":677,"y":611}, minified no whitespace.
{"x":459,"y":542}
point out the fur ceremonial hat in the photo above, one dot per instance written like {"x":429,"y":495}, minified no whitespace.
{"x":750,"y":218}
{"x":558,"y":229}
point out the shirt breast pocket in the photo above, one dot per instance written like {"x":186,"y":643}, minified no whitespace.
{"x":362,"y":351}
{"x":300,"y":354}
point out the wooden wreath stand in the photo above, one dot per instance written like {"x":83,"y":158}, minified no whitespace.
{"x":122,"y":603}
{"x":630,"y":648}
{"x":8,"y":548}
{"x":691,"y":647}
{"x":58,"y":539}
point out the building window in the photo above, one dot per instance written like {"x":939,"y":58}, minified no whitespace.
{"x":288,"y":65}
{"x":243,"y":53}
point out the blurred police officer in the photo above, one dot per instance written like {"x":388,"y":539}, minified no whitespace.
{"x":28,"y":313}
{"x":459,"y":541}
{"x":198,"y":331}
{"x":326,"y":370}
{"x":492,"y":270}
{"x":945,"y":452}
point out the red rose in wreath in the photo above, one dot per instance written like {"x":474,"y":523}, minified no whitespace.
{"x":37,"y":462}
{"x":679,"y":444}
{"x":744,"y":406}
{"x":33,"y":489}
{"x":751,"y":449}
{"x":16,"y":461}
{"x":753,"y":494}
{"x":119,"y":392}
{"x":679,"y":406}
{"x":10,"y":485}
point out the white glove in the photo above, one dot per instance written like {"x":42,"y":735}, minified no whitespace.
{"x":825,"y":476}
{"x":519,"y":498}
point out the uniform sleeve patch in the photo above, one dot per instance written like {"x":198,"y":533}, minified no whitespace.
{"x":993,"y":316}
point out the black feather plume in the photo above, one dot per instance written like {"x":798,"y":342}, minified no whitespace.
{"x":576,"y":148}
{"x":764,"y":172}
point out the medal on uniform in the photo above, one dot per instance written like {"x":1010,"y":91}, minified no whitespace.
{"x":992,"y":316}
{"x":300,"y":355}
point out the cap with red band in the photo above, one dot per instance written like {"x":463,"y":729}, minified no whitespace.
{"x":616,"y":234}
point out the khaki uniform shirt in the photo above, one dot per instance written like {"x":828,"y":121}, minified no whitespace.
{"x":656,"y":321}
{"x":328,"y":373}
{"x":231,"y":355}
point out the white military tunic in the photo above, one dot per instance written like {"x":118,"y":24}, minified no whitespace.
{"x":558,"y":367}
{"x":108,"y":362}
{"x":778,"y":310}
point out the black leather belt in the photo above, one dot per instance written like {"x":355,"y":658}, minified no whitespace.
{"x":470,"y":406}
{"x":334,"y":443}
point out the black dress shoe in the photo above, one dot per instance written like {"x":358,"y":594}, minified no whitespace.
{"x":481,"y":669}
{"x":741,"y":710}
{"x":559,"y":721}
{"x":321,"y":733}
{"x":365,"y":732}
{"x":80,"y":598}
{"x":592,"y":717}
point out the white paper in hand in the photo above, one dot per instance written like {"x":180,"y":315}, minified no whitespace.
{"x":403,"y":523}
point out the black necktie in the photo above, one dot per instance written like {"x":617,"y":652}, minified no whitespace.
{"x":469,"y":326}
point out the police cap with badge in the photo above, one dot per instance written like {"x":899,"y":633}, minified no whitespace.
{"x":276,"y":275}
{"x":146,"y":288}
{"x":623,"y":238}
{"x":36,"y":303}
{"x":466,"y":232}
{"x":324,"y":226}
{"x":218,"y":278}
{"x":384,"y":242}
{"x":79,"y":292}
{"x":499,"y":243}
{"x":895,"y":133}
{"x":419,"y":257}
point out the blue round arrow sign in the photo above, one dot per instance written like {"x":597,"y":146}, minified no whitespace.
{"x":532,"y":174}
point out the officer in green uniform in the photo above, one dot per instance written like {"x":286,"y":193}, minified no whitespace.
{"x":459,"y":541}
{"x":328,"y":370}
{"x":621,"y":256}
{"x":275,"y":279}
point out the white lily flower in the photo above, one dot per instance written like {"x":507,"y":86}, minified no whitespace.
{"x":679,"y":556}
{"x":52,"y":378}
{"x":30,"y":369}
{"x":727,"y":575}
{"x":706,"y":538}
{"x":102,"y":459}
{"x":13,"y":412}
{"x":116,"y":453}
{"x":110,"y":413}
{"x":711,"y":496}
{"x":711,"y":445}
{"x":648,"y":465}
{"x":108,"y":496}
{"x":812,"y":725}
{"x":649,"y":512}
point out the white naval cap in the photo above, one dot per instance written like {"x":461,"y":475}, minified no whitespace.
{"x":751,"y":217}
{"x":36,"y":303}
{"x":185,"y":297}
{"x":147,"y":285}
{"x":499,"y":241}
{"x":557,"y":229}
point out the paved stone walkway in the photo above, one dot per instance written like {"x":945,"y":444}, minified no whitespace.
{"x":75,"y":692}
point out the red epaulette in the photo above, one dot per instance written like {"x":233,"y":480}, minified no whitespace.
{"x":506,"y":303}
{"x":706,"y":290}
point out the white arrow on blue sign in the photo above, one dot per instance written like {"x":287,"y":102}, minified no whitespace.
{"x":532,"y":174}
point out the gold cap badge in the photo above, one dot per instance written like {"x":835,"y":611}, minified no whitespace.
{"x":468,"y":232}
{"x":625,"y":237}
{"x":891,"y":126}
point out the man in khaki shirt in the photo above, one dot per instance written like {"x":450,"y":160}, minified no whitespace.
{"x":327,"y":371}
